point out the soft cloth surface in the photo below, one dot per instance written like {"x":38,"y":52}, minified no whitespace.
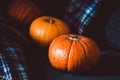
{"x":112,"y":29}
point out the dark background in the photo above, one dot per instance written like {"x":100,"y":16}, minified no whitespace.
{"x":39,"y":68}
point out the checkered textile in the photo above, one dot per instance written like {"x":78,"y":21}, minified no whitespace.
{"x":16,"y":62}
{"x":79,"y":13}
{"x":12,"y":64}
{"x":12,"y":59}
{"x":4,"y":69}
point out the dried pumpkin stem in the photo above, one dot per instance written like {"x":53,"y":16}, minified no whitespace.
{"x":50,"y":20}
{"x":74,"y":37}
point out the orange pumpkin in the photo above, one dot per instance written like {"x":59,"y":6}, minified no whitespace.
{"x":24,"y":11}
{"x":73,"y":53}
{"x":44,"y":29}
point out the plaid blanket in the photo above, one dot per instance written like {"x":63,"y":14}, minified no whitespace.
{"x":79,"y":13}
{"x":13,"y":64}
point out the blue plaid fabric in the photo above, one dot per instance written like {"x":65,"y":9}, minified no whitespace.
{"x":4,"y":69}
{"x":79,"y":13}
{"x":13,"y":64}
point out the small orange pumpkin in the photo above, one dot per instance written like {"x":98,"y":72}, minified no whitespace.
{"x":24,"y":11}
{"x":73,"y":53}
{"x":45,"y":28}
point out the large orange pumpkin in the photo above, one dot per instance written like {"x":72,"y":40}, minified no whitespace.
{"x":73,"y":53}
{"x":44,"y":29}
{"x":24,"y":11}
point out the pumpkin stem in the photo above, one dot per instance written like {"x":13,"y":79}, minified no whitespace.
{"x":50,"y":20}
{"x":74,"y":37}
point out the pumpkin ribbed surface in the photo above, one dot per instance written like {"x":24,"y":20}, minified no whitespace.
{"x":73,"y":53}
{"x":23,"y":10}
{"x":44,"y":29}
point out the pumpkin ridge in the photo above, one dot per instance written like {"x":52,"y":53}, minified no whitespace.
{"x":11,"y":11}
{"x":58,"y":29}
{"x":19,"y":8}
{"x":64,"y":28}
{"x":60,"y":32}
{"x":30,"y":14}
{"x":24,"y":12}
{"x":14,"y":11}
{"x":47,"y":31}
{"x":85,"y":53}
{"x":46,"y":34}
{"x":96,"y":49}
{"x":68,"y":52}
{"x":93,"y":42}
{"x":69,"y":55}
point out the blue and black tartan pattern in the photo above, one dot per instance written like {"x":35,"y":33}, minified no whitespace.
{"x":4,"y":69}
{"x":12,"y":64}
{"x":79,"y":13}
